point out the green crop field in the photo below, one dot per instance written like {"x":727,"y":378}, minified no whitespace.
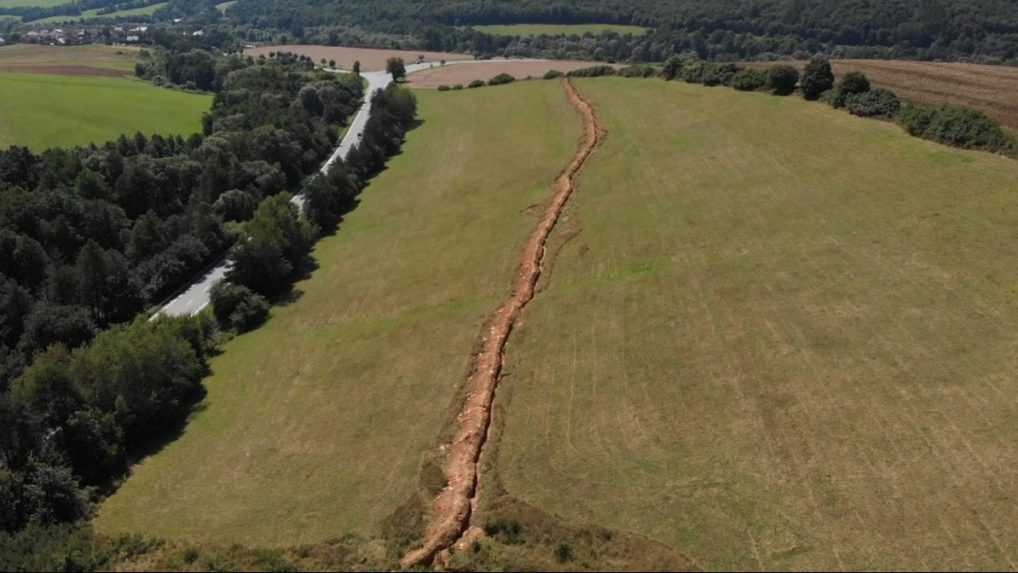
{"x":42,"y":111}
{"x":558,"y":29}
{"x":780,"y":337}
{"x":95,"y":15}
{"x":316,"y":424}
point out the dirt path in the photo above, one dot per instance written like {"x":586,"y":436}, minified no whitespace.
{"x":453,"y":507}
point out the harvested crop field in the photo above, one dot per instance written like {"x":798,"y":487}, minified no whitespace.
{"x":316,"y":424}
{"x":773,"y":336}
{"x":465,"y":73}
{"x":370,"y":59}
{"x":88,"y":60}
{"x":990,"y":89}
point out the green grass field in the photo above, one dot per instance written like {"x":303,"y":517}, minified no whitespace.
{"x":32,"y":3}
{"x":316,"y":424}
{"x":557,"y":29}
{"x":119,"y":58}
{"x":43,"y":111}
{"x":777,"y":337}
{"x":95,"y":15}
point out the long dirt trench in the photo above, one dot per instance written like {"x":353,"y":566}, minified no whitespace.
{"x":452,"y":508}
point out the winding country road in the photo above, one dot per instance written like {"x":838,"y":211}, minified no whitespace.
{"x":191,"y":300}
{"x":196,"y":297}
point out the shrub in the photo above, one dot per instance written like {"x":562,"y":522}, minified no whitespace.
{"x":692,"y":71}
{"x":953,"y":125}
{"x":714,"y":74}
{"x":782,"y":79}
{"x":476,"y":84}
{"x":235,"y":205}
{"x":511,"y":531}
{"x":749,"y":80}
{"x":817,"y":78}
{"x":552,"y":74}
{"x":564,"y":553}
{"x":237,"y":307}
{"x":854,"y":83}
{"x":443,"y":88}
{"x":834,"y":98}
{"x":501,"y":79}
{"x":637,"y":71}
{"x":875,"y":103}
{"x":592,"y":72}
{"x":672,"y":66}
{"x":457,"y":87}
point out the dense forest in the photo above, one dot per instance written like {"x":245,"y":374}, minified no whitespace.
{"x":984,"y":30}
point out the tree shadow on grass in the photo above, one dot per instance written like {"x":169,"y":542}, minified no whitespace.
{"x":157,"y":442}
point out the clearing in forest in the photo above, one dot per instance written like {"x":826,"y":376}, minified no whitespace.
{"x":317,"y":424}
{"x":773,"y":336}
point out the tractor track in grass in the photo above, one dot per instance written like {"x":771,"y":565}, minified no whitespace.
{"x":454,"y":505}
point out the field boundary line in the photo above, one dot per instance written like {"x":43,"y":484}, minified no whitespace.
{"x":454,"y":505}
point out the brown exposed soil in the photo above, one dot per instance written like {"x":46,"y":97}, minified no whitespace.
{"x":990,"y":89}
{"x":370,"y":59}
{"x":466,"y":73}
{"x":63,"y":70}
{"x":452,"y":508}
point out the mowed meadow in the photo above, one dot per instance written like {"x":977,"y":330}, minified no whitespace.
{"x":317,"y":424}
{"x":42,"y":110}
{"x":774,"y":336}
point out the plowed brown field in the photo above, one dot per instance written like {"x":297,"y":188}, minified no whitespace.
{"x":990,"y":89}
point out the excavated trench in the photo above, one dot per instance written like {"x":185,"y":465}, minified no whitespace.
{"x":453,"y":507}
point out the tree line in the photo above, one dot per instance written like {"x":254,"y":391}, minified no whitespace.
{"x":948,"y":124}
{"x":728,"y":30}
{"x":275,"y":245}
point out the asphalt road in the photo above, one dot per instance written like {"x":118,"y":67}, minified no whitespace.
{"x":196,"y":297}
